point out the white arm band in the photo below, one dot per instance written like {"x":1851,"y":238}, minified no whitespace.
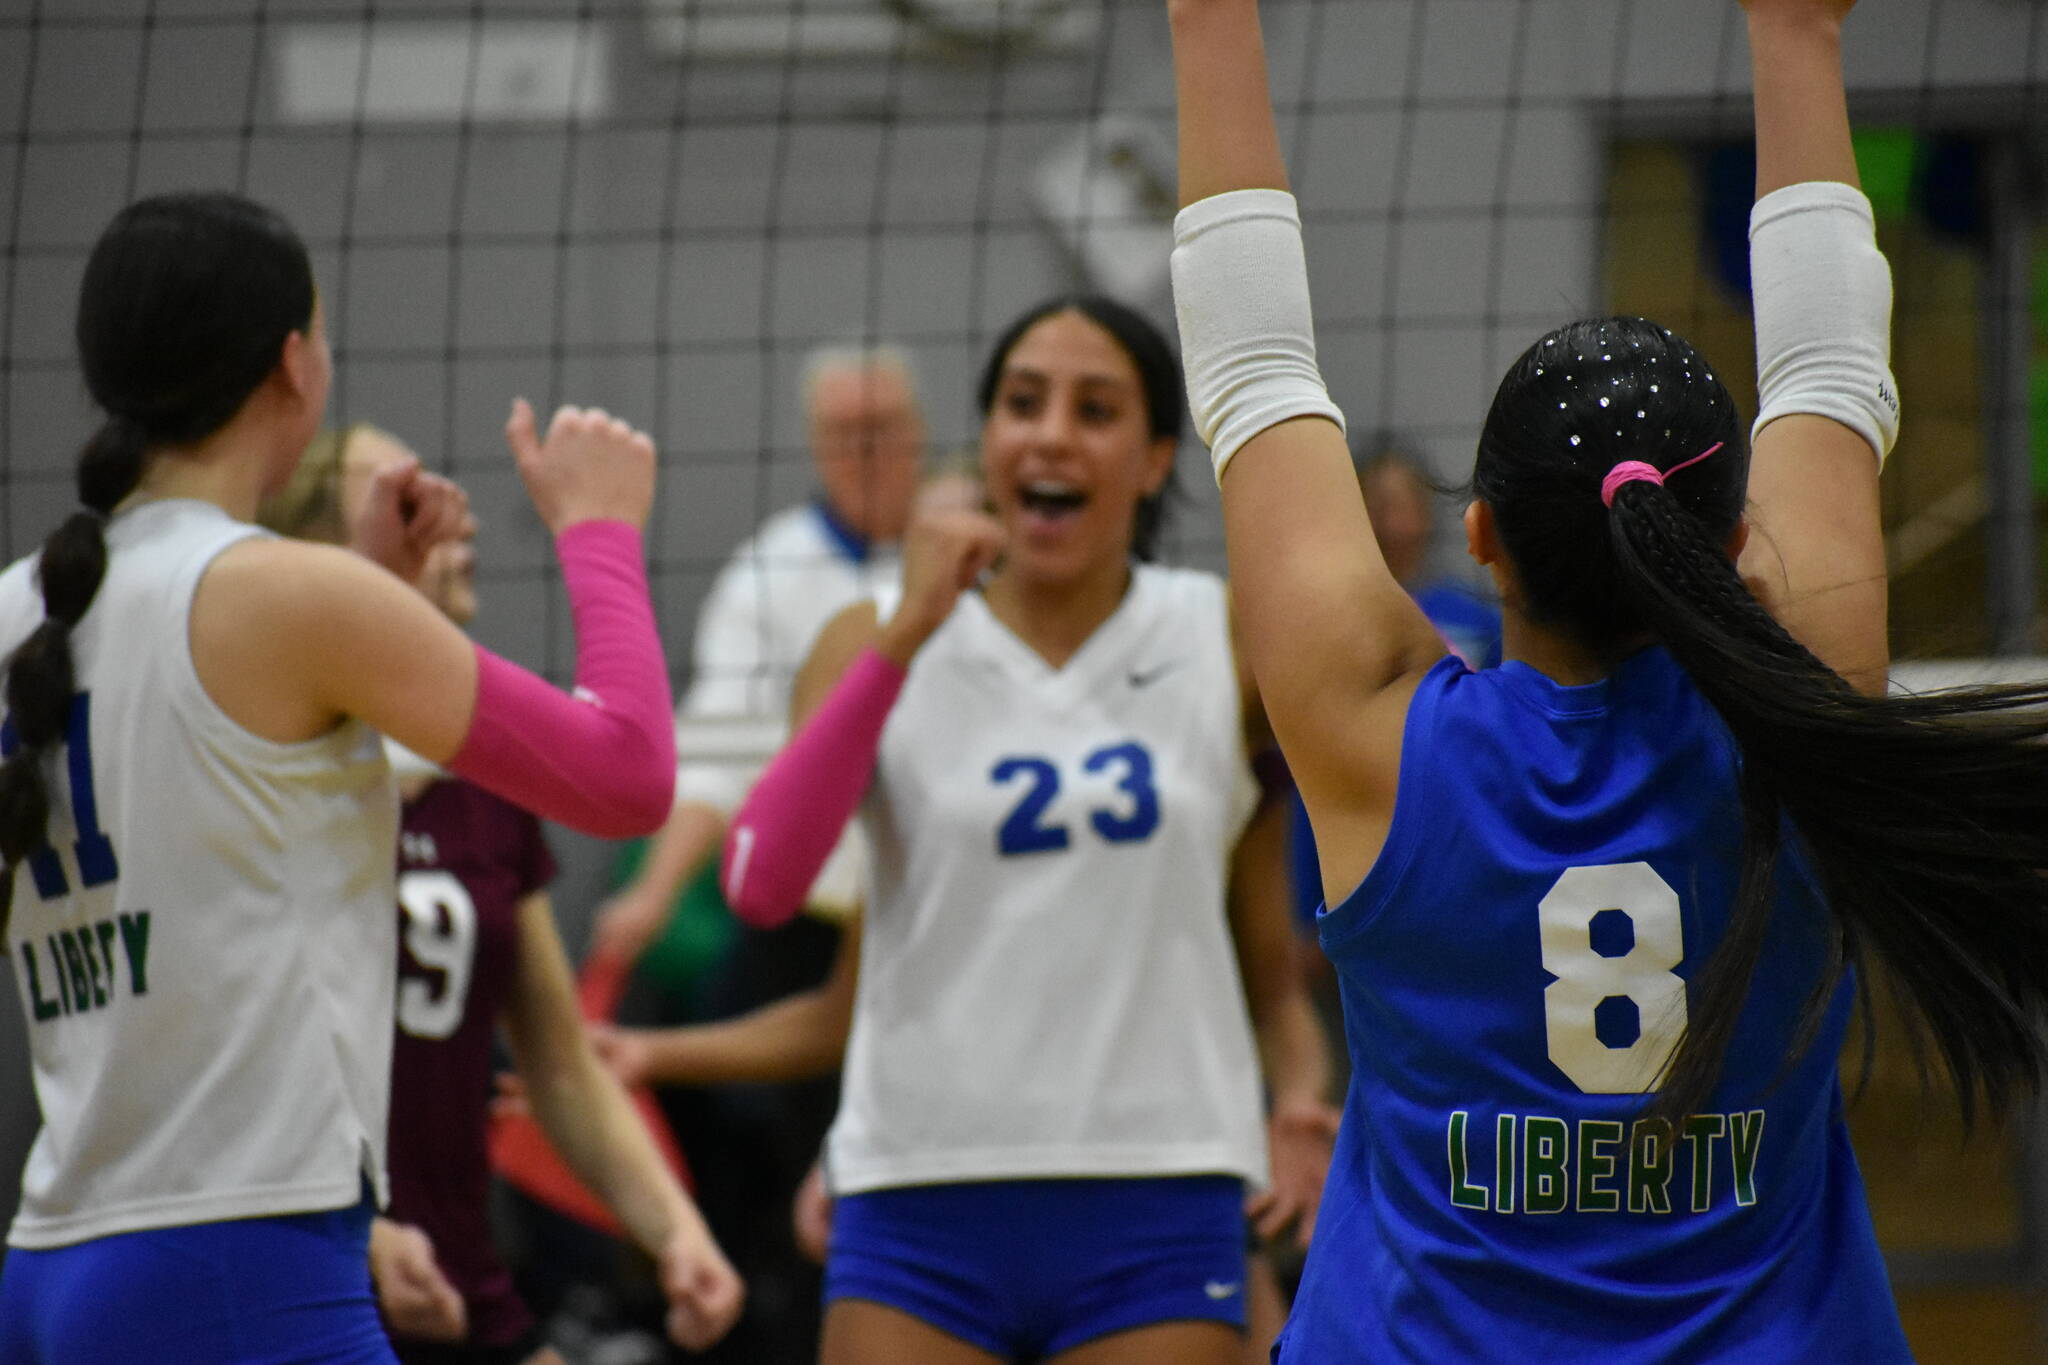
{"x":1823,"y":312}
{"x":1247,"y":341}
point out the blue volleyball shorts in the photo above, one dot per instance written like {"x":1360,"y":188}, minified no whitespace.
{"x":1031,"y":1268}
{"x":292,"y":1290}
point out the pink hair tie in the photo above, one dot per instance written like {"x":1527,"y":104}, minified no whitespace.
{"x":1630,"y":471}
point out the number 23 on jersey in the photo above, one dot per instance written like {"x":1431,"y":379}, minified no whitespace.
{"x":1130,"y":816}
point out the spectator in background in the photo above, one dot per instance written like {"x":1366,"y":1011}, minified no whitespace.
{"x":1401,"y":501}
{"x":798,"y":570}
{"x":750,"y":1145}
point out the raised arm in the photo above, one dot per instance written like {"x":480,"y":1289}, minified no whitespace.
{"x":729,"y":666}
{"x":792,"y":819}
{"x":1828,"y":407}
{"x":289,"y":637}
{"x":1328,"y":631}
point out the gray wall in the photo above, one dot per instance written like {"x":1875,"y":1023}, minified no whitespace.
{"x":675,"y":260}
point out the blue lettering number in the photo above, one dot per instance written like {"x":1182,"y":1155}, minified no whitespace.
{"x":96,"y":862}
{"x":1143,"y":817}
{"x":1022,"y":833}
{"x":1025,"y":831}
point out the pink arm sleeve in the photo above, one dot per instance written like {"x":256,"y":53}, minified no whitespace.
{"x":602,"y":760}
{"x":789,"y":823}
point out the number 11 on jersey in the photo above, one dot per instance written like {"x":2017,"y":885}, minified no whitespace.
{"x":95,"y":852}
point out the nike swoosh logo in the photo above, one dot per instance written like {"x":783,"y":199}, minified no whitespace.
{"x":1217,"y":1289}
{"x":1146,"y":677}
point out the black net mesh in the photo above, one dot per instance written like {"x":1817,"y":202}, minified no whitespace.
{"x":664,"y":207}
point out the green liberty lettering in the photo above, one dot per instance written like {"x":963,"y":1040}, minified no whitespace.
{"x":63,"y":977}
{"x":1546,"y":1159}
{"x":92,"y":967}
{"x":1700,"y":1132}
{"x":74,"y":969}
{"x":44,"y":1009}
{"x":1746,"y":1136}
{"x":1464,"y":1194}
{"x":1650,"y":1167}
{"x":105,"y":929}
{"x":1504,"y":1163}
{"x":135,"y":941}
{"x":1596,"y":1165}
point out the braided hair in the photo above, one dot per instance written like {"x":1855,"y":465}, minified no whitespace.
{"x":1925,"y":818}
{"x":186,"y":303}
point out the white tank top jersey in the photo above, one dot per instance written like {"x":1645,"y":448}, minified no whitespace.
{"x":205,"y":953}
{"x":1048,"y":985}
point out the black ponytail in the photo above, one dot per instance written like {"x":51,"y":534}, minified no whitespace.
{"x":111,"y":464}
{"x":39,"y":679}
{"x":1924,"y":818}
{"x":184,"y":309}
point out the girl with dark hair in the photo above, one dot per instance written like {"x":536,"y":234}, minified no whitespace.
{"x":1597,"y":912}
{"x":1051,"y":1100}
{"x":1158,"y":375}
{"x":196,"y":816}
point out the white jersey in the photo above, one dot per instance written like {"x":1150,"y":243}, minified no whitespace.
{"x":756,"y":627}
{"x":206,"y":953}
{"x":1048,"y":985}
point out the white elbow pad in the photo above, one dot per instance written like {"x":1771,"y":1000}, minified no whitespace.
{"x":1823,"y":295}
{"x":1247,"y":338}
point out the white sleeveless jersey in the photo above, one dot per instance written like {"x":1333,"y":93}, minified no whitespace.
{"x":206,"y":953}
{"x":1048,"y":985}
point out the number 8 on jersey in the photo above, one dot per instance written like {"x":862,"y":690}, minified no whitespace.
{"x":1605,"y":987}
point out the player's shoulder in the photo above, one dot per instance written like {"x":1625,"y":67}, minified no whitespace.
{"x":265,"y":567}
{"x":293,"y":594}
{"x":155,"y":552}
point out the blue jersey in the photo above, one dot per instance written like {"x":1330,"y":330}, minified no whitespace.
{"x":1561,"y":863}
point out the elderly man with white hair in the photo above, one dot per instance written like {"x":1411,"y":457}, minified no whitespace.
{"x":801,"y":567}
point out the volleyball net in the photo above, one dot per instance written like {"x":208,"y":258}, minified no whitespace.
{"x":663,"y":206}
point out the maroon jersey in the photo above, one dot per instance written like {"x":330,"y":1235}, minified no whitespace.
{"x":465,"y":861}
